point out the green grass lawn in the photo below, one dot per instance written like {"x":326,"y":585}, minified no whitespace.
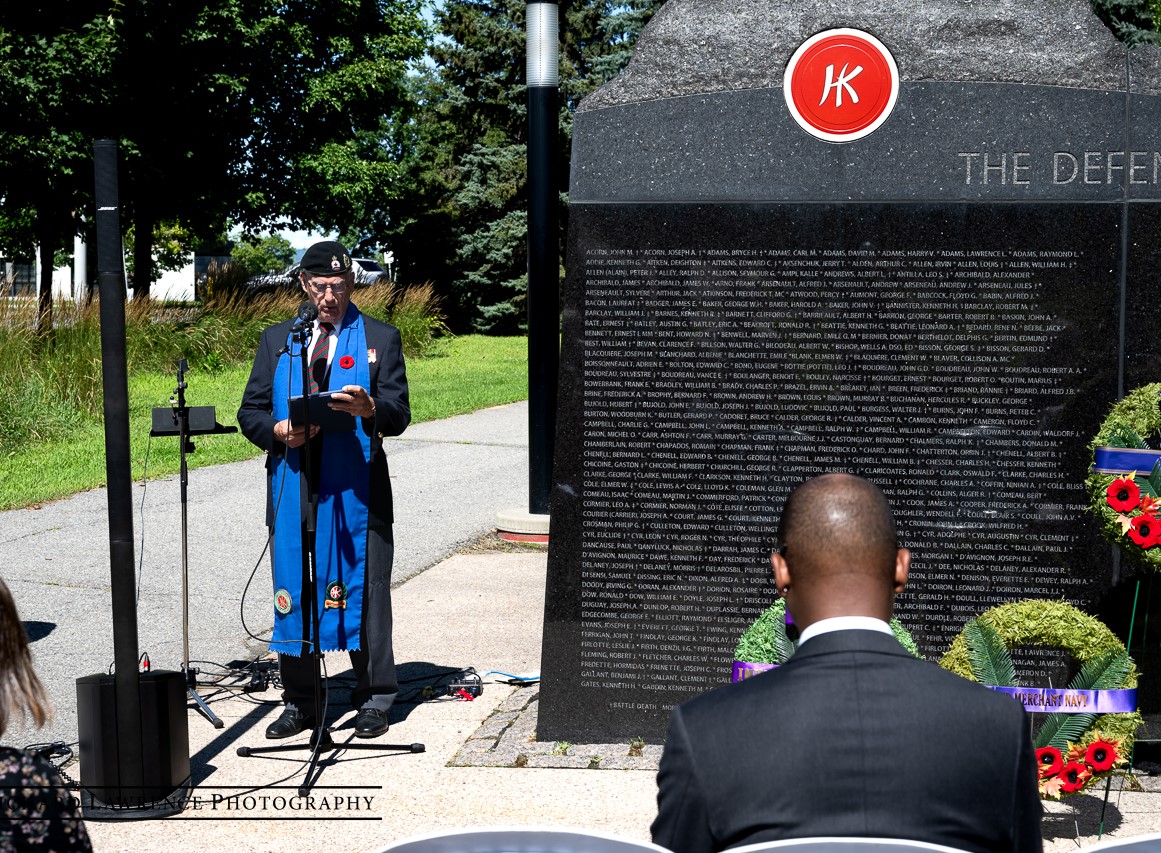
{"x":456,"y":376}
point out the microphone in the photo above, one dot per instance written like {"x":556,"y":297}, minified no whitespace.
{"x":307,"y":314}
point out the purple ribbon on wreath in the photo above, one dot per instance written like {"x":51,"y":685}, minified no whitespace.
{"x":745,"y":669}
{"x":1048,"y":700}
{"x":1124,"y":460}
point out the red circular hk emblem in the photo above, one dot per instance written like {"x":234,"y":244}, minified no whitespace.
{"x":841,"y":85}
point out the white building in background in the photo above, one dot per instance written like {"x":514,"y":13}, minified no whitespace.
{"x":176,"y":286}
{"x":68,"y":282}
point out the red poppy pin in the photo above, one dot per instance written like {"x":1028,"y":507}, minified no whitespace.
{"x":346,"y":362}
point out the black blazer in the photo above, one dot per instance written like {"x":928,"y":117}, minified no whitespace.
{"x":850,"y":737}
{"x":388,"y":379}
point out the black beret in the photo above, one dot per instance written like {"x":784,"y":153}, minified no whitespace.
{"x":326,"y":258}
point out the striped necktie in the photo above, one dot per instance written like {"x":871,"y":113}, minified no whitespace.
{"x":322,"y":351}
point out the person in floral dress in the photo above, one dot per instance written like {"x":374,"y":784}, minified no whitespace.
{"x":37,"y":810}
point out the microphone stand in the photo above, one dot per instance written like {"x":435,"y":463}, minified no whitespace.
{"x":320,"y":736}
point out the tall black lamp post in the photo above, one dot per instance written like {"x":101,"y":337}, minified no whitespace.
{"x":542,"y":21}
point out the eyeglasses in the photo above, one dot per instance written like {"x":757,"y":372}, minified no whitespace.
{"x":318,"y":288}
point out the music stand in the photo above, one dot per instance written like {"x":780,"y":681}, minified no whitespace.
{"x":183,"y":421}
{"x":320,"y":737}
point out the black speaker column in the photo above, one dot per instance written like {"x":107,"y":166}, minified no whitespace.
{"x":127,"y":716}
{"x":164,"y":772}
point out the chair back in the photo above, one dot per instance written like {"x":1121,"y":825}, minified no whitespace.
{"x":1150,"y":843}
{"x":520,"y":840}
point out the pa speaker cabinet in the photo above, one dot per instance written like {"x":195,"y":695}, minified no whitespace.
{"x":164,"y":748}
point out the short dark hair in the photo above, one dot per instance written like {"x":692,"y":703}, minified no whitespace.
{"x":837,"y":521}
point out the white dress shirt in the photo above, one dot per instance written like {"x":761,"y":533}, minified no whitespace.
{"x":844,"y":623}
{"x":314,"y":341}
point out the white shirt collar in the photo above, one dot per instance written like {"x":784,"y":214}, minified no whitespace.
{"x":844,"y":623}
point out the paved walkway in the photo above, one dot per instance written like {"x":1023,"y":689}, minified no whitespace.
{"x":449,"y":479}
{"x":482,"y":608}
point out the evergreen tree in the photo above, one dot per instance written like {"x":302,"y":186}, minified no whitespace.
{"x":1132,"y":21}
{"x":462,"y":222}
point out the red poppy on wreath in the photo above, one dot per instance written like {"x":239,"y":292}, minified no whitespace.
{"x":1049,"y":760}
{"x":1074,"y":775}
{"x":346,"y":362}
{"x":1101,"y":755}
{"x":1145,"y":531}
{"x":1123,"y":495}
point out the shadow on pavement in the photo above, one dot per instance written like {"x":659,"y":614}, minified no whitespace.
{"x":1082,"y":816}
{"x":38,"y":630}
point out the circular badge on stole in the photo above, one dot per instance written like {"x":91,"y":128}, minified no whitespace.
{"x":283,"y":603}
{"x":841,"y":85}
{"x":336,"y":595}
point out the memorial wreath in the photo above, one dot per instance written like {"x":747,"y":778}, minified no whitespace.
{"x":1124,"y":485}
{"x":1093,"y":732}
{"x":765,"y":644}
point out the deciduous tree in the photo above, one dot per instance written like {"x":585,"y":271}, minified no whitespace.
{"x":270,"y":254}
{"x":243,"y":111}
{"x":260,"y":111}
{"x":53,"y":61}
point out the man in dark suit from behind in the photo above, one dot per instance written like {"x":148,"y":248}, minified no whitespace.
{"x":852,"y":736}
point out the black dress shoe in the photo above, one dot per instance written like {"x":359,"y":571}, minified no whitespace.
{"x":371,"y":722}
{"x":291,"y":722}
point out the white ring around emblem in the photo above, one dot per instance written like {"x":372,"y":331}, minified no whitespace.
{"x":840,"y":137}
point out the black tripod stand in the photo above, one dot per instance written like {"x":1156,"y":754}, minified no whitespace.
{"x":320,"y":737}
{"x":182,"y":421}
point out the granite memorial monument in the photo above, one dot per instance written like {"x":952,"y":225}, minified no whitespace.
{"x":919,"y":244}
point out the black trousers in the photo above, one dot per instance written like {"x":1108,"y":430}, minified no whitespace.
{"x":374,"y":663}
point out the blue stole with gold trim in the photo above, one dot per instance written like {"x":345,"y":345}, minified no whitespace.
{"x":343,"y":499}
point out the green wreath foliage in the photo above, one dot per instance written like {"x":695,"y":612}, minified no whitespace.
{"x":1130,"y":422}
{"x":1058,"y":624}
{"x":765,"y":641}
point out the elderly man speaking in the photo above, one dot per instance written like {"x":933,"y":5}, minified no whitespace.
{"x":360,"y":360}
